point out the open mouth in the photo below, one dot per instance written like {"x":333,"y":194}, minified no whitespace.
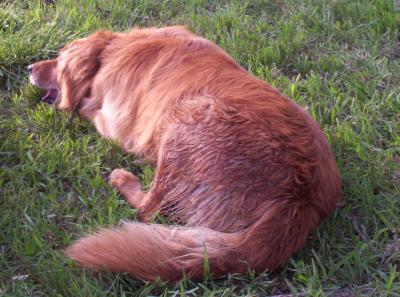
{"x":50,"y":97}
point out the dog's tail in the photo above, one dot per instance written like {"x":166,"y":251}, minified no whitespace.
{"x":152,"y":251}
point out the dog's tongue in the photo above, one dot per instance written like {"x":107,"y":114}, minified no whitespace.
{"x":50,"y":96}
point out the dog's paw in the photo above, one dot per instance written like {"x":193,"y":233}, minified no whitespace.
{"x":120,"y":177}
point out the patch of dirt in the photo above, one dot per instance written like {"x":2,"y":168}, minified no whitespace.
{"x":395,"y":174}
{"x":391,"y":254}
{"x":343,"y":293}
{"x":388,"y":82}
{"x":346,"y":292}
{"x":395,"y":177}
{"x":391,"y":52}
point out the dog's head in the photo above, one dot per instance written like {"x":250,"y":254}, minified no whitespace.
{"x":68,"y":78}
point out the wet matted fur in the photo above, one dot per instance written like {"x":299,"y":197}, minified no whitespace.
{"x":245,"y":171}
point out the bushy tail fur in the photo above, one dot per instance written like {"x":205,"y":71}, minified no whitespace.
{"x":152,"y":251}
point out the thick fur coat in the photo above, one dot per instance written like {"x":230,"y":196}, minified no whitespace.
{"x":245,"y":171}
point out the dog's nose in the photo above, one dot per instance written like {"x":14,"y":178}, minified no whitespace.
{"x":30,"y":69}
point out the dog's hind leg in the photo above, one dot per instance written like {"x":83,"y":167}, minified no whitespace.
{"x":128,"y":185}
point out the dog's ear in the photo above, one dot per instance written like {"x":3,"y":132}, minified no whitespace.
{"x":78,"y":63}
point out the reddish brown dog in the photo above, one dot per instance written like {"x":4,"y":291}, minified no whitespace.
{"x":247,"y":171}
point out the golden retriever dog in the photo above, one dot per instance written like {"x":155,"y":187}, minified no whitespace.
{"x":243,"y":172}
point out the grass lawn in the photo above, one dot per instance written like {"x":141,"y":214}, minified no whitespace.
{"x":338,"y":59}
